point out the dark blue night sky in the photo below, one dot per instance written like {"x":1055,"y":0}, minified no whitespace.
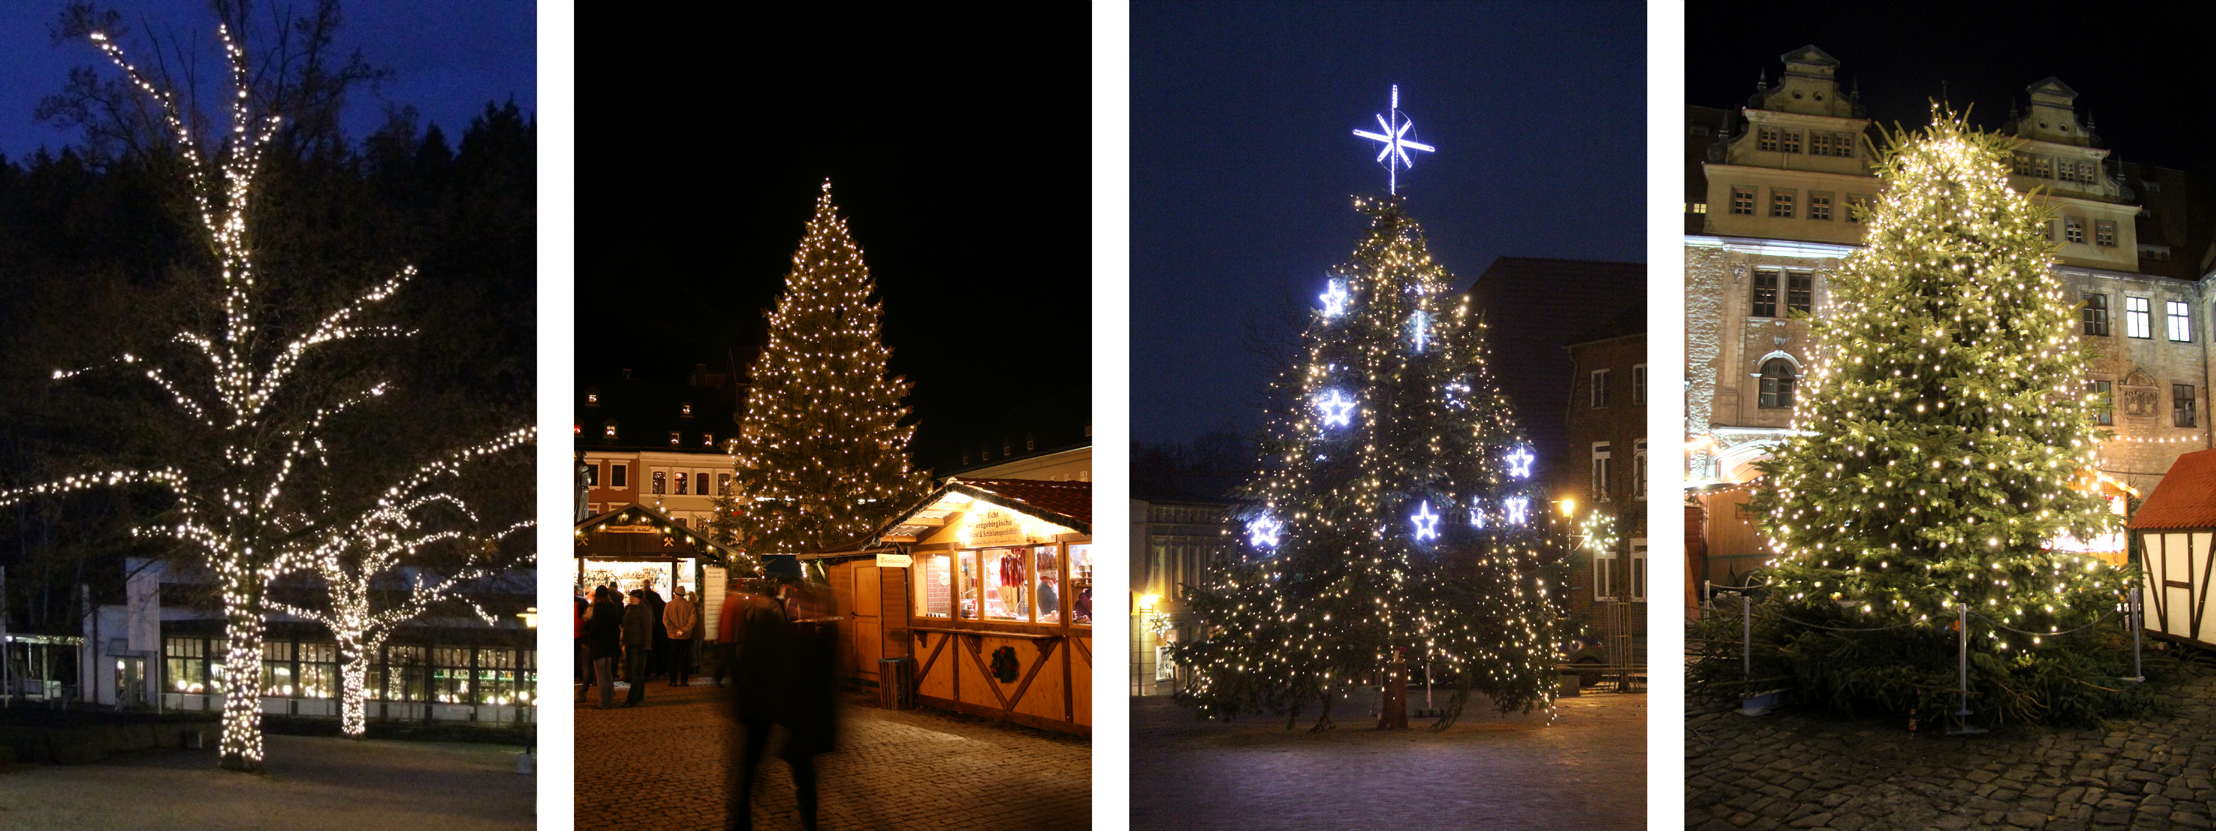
{"x":448,"y":59}
{"x":1243,"y":163}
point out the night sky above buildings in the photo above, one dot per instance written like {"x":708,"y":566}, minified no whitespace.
{"x":448,"y":59}
{"x":2140,"y":75}
{"x":1243,"y":165}
{"x":958,"y":144}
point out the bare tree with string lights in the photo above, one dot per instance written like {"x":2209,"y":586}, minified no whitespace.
{"x":251,"y":389}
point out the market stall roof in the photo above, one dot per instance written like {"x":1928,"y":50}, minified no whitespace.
{"x":648,"y":533}
{"x":1068,"y":504}
{"x":2185,"y":499}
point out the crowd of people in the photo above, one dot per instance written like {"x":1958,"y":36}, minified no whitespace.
{"x":638,"y":634}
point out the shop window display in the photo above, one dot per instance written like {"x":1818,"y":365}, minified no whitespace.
{"x":1005,"y":590}
{"x":968,"y":609}
{"x":496,"y":676}
{"x":1081,"y":585}
{"x":404,"y":673}
{"x":938,"y":586}
{"x":1049,"y":577}
{"x":185,"y":663}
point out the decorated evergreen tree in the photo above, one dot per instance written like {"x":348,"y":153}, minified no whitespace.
{"x":822,"y":455}
{"x":1941,"y":433}
{"x":1395,"y":519}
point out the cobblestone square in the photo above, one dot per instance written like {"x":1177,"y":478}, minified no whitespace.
{"x":1583,"y":766}
{"x":661,"y":765}
{"x":1799,"y":770}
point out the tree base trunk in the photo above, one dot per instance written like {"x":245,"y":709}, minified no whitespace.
{"x":1392,"y":706}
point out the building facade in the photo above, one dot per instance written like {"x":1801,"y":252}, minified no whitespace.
{"x":663,"y":446}
{"x":1174,"y":544}
{"x":1606,"y":425}
{"x":1774,"y":194}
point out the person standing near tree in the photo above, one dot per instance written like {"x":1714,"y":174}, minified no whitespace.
{"x":638,"y":642}
{"x":683,"y":623}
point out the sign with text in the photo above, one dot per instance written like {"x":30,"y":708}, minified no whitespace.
{"x":991,"y":525}
{"x":893,"y":561}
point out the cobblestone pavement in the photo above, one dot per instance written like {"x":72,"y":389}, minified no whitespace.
{"x":1585,"y":770}
{"x":1800,"y":770}
{"x":661,"y":765}
{"x":313,"y":784}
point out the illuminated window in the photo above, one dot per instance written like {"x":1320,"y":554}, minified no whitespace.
{"x":680,"y":483}
{"x":450,"y":675}
{"x":1819,"y":206}
{"x":1600,"y":388}
{"x":708,"y":440}
{"x":1777,"y":385}
{"x":592,"y":397}
{"x":277,"y":677}
{"x":2107,"y":403}
{"x":2096,"y":315}
{"x":319,"y":670}
{"x":685,"y":409}
{"x":185,"y":664}
{"x":1600,"y":471}
{"x":661,"y":481}
{"x":2181,"y":405}
{"x":496,"y":677}
{"x":2181,"y":321}
{"x":1765,"y":294}
{"x":1781,"y":203}
{"x":2137,"y":314}
{"x":608,"y":429}
{"x":1742,"y":200}
{"x":673,"y":438}
{"x":407,"y":674}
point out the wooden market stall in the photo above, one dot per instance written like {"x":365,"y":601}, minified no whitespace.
{"x":635,"y":545}
{"x":980,"y":594}
{"x":2173,"y":531}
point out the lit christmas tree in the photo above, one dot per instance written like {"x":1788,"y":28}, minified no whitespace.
{"x":822,"y":455}
{"x":256,"y":399}
{"x":1944,"y":424}
{"x":353,"y":561}
{"x":1395,"y":515}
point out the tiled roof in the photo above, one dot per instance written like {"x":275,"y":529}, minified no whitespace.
{"x":2185,"y":499}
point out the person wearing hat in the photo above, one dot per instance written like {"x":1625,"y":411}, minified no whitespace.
{"x":638,"y":643}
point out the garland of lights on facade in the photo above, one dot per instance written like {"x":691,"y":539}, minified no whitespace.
{"x":238,"y":519}
{"x":822,"y":455}
{"x":1395,"y":518}
{"x":1948,"y":415}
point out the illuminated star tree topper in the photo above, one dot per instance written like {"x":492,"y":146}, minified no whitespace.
{"x":1396,"y":142}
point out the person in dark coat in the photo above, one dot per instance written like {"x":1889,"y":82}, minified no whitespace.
{"x":638,"y":641}
{"x":603,"y":639}
{"x":658,"y":655}
{"x":783,"y":673}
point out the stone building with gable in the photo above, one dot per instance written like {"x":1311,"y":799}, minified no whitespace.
{"x":1773,"y":189}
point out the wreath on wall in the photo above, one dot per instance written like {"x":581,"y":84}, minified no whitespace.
{"x":1004,"y":664}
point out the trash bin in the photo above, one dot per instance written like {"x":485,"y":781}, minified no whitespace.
{"x":896,"y":683}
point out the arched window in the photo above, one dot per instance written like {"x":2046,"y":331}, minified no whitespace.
{"x":1777,"y":384}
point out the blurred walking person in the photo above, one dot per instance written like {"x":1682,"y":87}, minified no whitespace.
{"x":638,"y":643}
{"x":782,"y":675}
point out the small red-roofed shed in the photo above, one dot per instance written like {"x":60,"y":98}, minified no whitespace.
{"x":2175,"y":529}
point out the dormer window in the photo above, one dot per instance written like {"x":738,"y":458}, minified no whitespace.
{"x":685,"y":409}
{"x":592,"y":397}
{"x":608,"y":429}
{"x":708,"y":440}
{"x":673,"y":438}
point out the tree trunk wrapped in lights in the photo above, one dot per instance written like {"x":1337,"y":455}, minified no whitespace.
{"x":1940,"y":431}
{"x":822,"y":455}
{"x":253,"y":393}
{"x":350,"y":558}
{"x":1395,"y":512}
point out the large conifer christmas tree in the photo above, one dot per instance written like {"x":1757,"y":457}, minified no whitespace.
{"x":822,"y":455}
{"x":1945,"y":422}
{"x":1396,"y":521}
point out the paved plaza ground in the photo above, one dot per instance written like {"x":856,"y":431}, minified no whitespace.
{"x":1799,"y":770}
{"x":1582,"y":766}
{"x":313,"y":784}
{"x":661,"y":765}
